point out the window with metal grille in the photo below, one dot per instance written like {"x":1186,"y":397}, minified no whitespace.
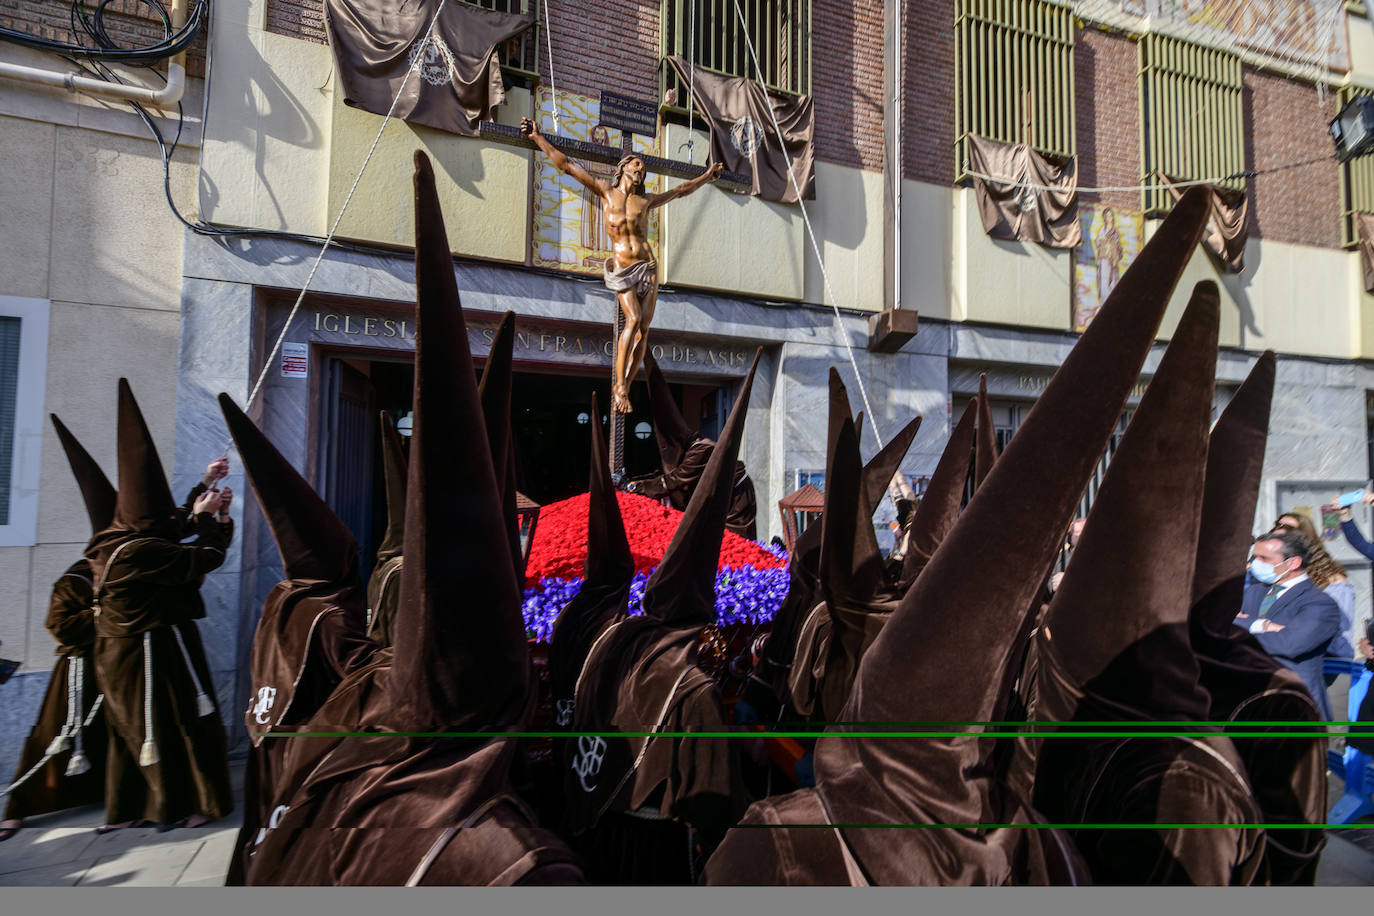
{"x":1357,"y":178}
{"x":709,"y":32}
{"x":520,"y":55}
{"x":1013,"y":75}
{"x":1192,"y":123}
{"x":9,"y":388}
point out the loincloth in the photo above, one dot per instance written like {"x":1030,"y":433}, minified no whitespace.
{"x":641,"y":276}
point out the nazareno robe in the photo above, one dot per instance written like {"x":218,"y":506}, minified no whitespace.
{"x":308,"y":640}
{"x":677,"y":483}
{"x":151,"y":586}
{"x":631,"y":801}
{"x":70,"y":621}
{"x":384,"y":787}
{"x":383,"y":591}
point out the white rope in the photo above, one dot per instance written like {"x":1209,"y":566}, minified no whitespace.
{"x":553,"y":86}
{"x":147,"y":755}
{"x":691,"y":83}
{"x":204,"y":705}
{"x":418,"y":60}
{"x":811,"y":233}
{"x":1012,"y":182}
{"x":57,"y":745}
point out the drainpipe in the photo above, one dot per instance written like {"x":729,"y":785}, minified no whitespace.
{"x":75,"y":81}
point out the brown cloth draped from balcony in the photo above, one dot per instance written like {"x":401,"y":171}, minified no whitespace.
{"x":71,"y":621}
{"x":1226,"y":222}
{"x":1010,"y":208}
{"x":458,"y":81}
{"x":743,"y":138}
{"x":1364,"y":223}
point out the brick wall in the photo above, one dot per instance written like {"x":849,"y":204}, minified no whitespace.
{"x":1284,"y":124}
{"x":928,"y":96}
{"x":1107,"y":127}
{"x":128,"y":23}
{"x":847,"y":81}
{"x":614,"y":44}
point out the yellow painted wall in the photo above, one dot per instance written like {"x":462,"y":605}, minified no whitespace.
{"x":1361,"y":32}
{"x":1297,"y":299}
{"x":731,"y":242}
{"x":848,"y":218}
{"x":1006,"y":282}
{"x":928,"y":246}
{"x":484,"y":187}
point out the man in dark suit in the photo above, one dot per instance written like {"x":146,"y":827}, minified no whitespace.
{"x":1291,"y":618}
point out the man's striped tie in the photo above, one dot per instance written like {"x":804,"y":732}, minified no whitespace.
{"x":1269,"y":600}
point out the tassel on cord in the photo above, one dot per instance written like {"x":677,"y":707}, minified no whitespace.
{"x":147,"y":755}
{"x":78,"y":764}
{"x":204,"y":705}
{"x":62,"y":741}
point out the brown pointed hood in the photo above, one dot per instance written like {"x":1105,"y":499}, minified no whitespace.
{"x":962,"y":612}
{"x":606,"y":574}
{"x":1235,"y":460}
{"x":939,"y":507}
{"x":681,"y":591}
{"x":670,"y":428}
{"x":313,"y":542}
{"x":495,"y":393}
{"x":851,"y":564}
{"x":882,"y":467}
{"x":1117,"y":625}
{"x":985,"y":450}
{"x":144,"y":501}
{"x":394,"y":471}
{"x":460,"y":657}
{"x":96,"y":491}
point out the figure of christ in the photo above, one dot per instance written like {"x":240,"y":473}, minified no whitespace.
{"x":632,"y":270}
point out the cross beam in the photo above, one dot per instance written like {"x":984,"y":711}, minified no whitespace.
{"x":581,"y":149}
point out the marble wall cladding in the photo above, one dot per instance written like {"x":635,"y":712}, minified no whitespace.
{"x":23,"y":694}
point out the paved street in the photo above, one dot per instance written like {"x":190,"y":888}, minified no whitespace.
{"x":64,"y":850}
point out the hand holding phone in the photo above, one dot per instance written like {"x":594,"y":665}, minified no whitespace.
{"x":1346,"y":500}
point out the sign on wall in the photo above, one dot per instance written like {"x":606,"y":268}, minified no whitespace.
{"x":569,"y":232}
{"x":1111,"y":240}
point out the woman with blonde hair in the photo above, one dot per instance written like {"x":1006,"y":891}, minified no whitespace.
{"x":1326,"y":574}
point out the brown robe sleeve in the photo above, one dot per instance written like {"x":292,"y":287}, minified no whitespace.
{"x":71,"y":620}
{"x":167,"y":563}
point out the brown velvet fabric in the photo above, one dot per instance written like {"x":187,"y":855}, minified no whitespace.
{"x":641,"y":675}
{"x":1246,"y":685}
{"x":671,"y":430}
{"x":939,"y":507}
{"x":1114,"y":647}
{"x":723,"y":100}
{"x":605,"y":591}
{"x":1226,"y":226}
{"x":394,"y":473}
{"x":494,"y":390}
{"x":151,"y":586}
{"x":948,"y":623}
{"x":51,"y":789}
{"x":858,"y":601}
{"x":1010,"y":208}
{"x":96,"y":492}
{"x":985,"y":448}
{"x":1364,"y":225}
{"x":144,"y":502}
{"x":459,"y":661}
{"x":882,"y":467}
{"x":384,"y":585}
{"x":460,"y":81}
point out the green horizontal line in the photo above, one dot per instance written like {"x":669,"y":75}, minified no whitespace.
{"x":1317,"y":732}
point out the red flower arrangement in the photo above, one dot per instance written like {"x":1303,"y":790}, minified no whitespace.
{"x":560,"y":541}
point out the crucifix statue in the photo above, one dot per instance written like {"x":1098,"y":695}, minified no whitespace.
{"x":632,"y":271}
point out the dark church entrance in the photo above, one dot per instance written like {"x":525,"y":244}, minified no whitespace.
{"x":552,"y":420}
